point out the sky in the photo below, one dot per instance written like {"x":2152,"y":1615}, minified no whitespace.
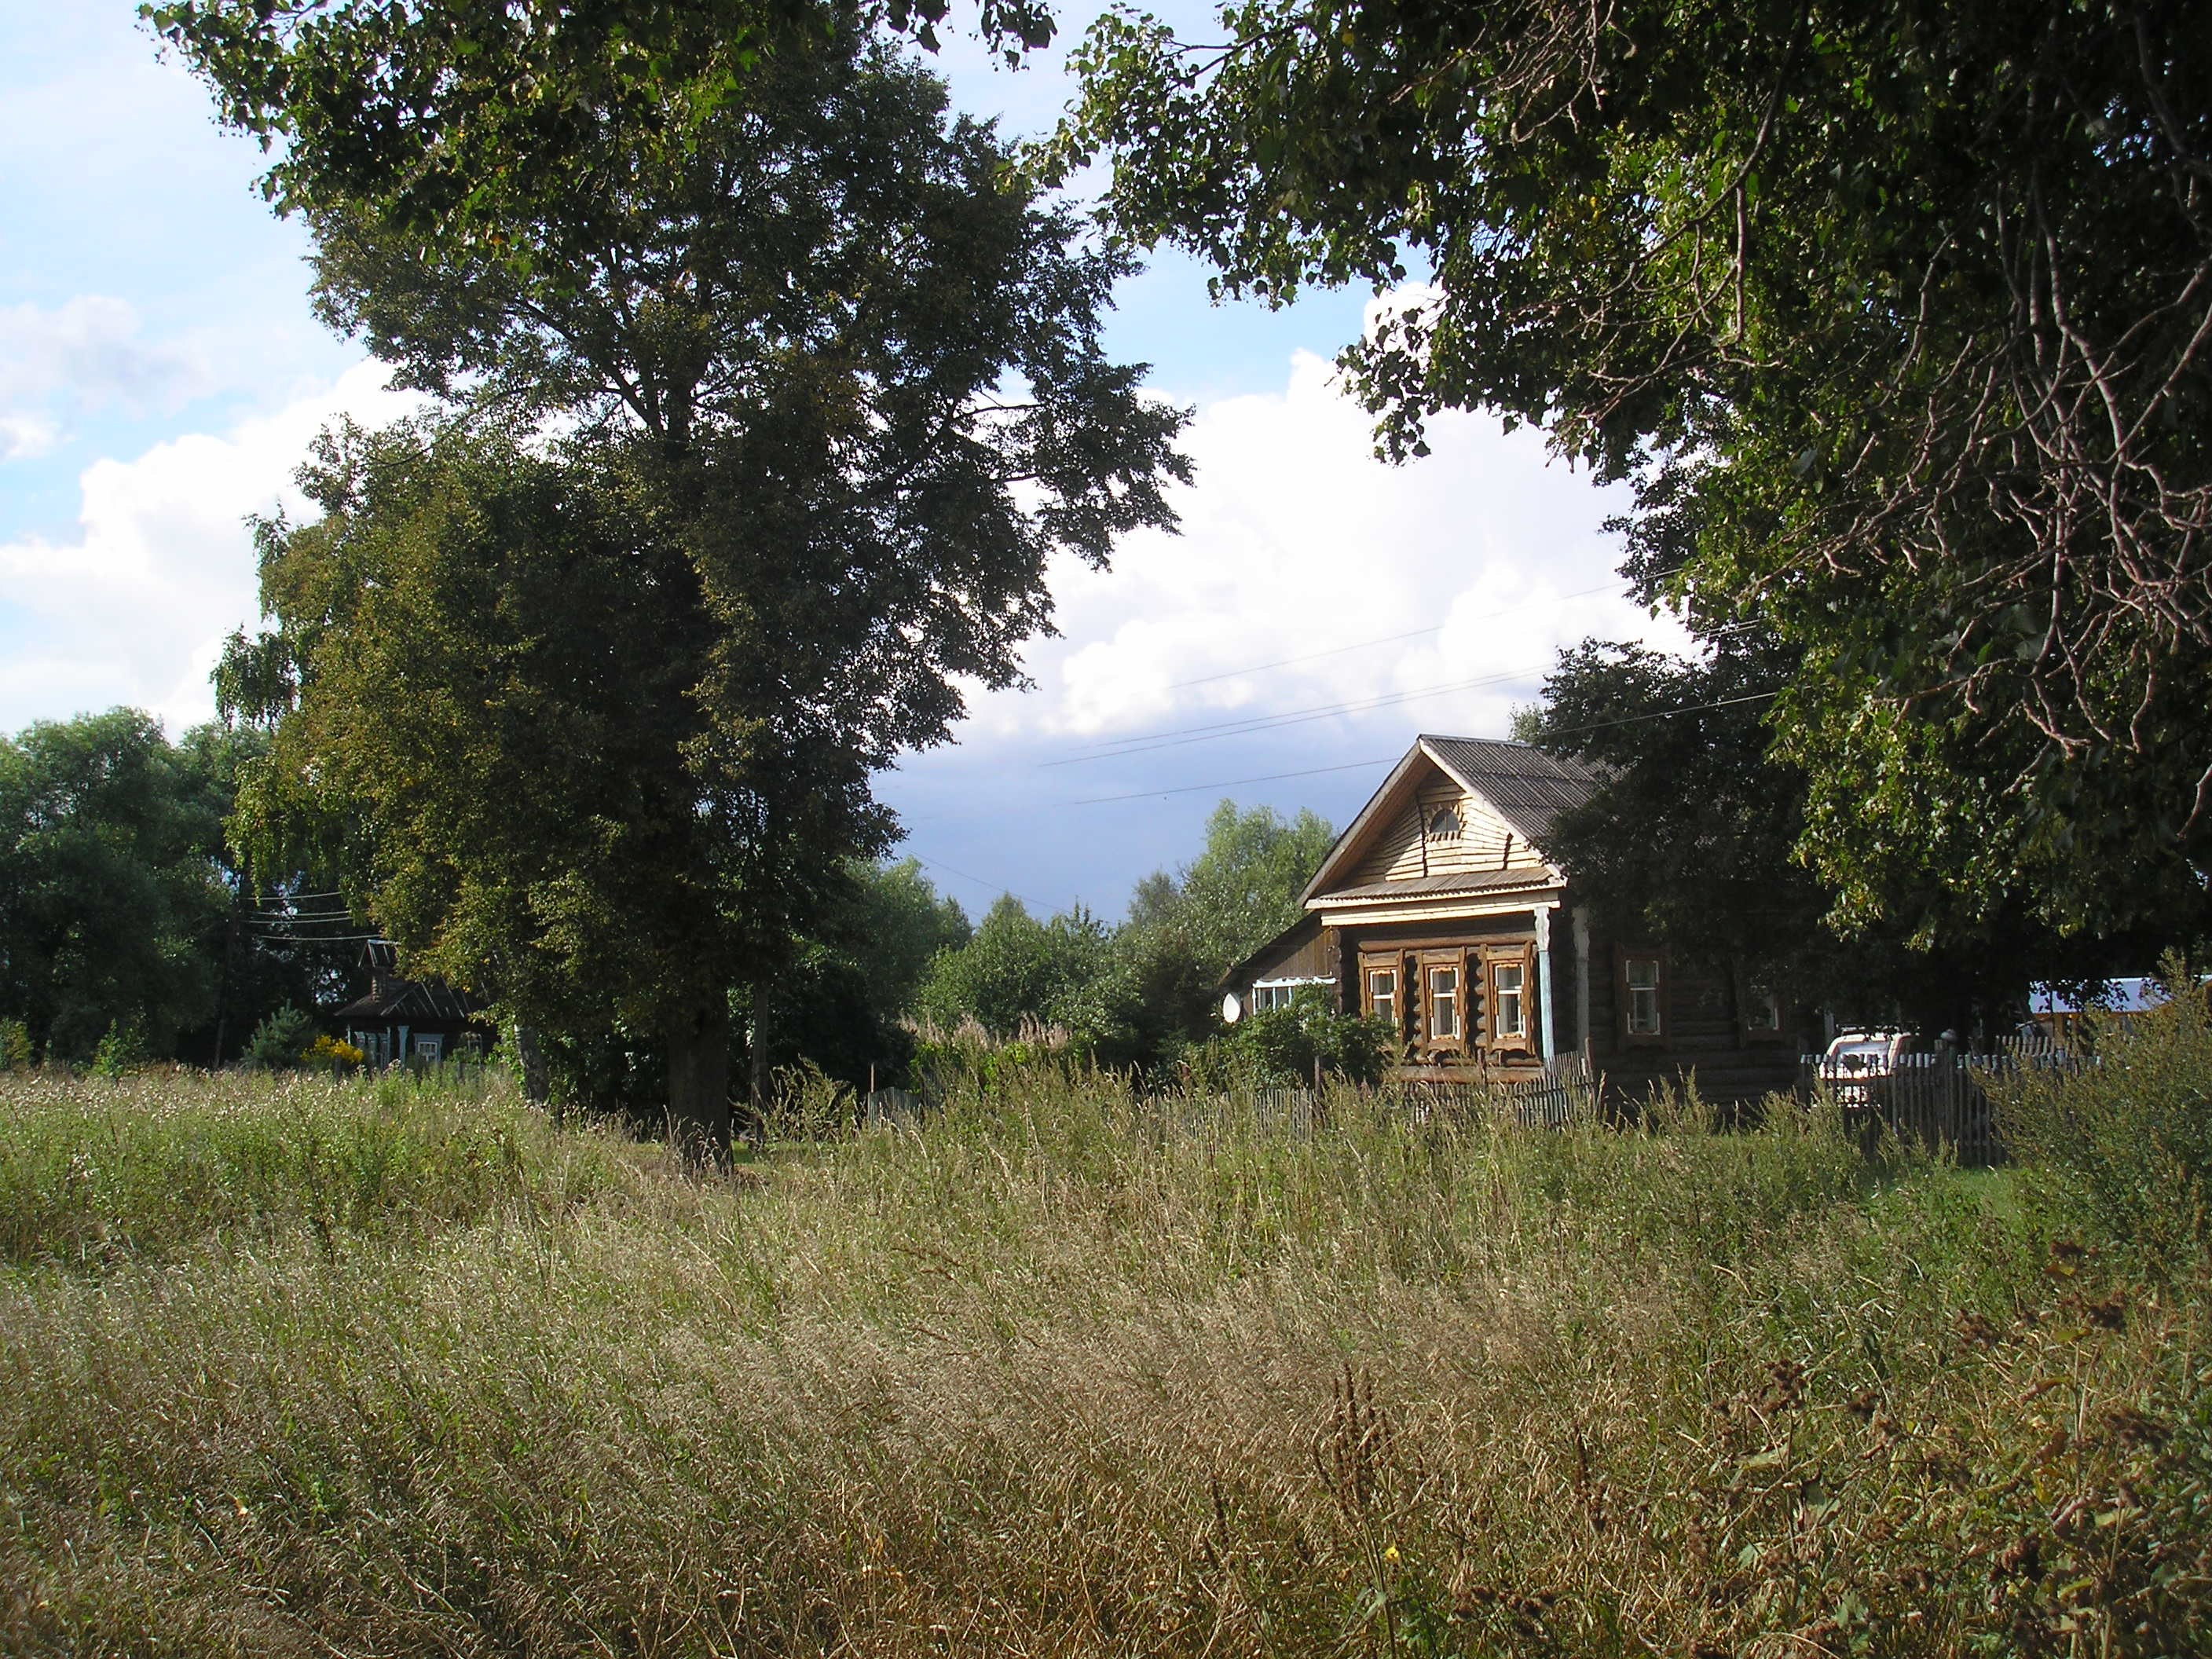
{"x":162,"y":371}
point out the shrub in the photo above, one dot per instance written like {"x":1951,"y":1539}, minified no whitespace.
{"x":121,"y":1052}
{"x":1286,"y":1045}
{"x":2119,"y":1151}
{"x":15,"y":1046}
{"x":332,"y":1054}
{"x":280,"y":1042}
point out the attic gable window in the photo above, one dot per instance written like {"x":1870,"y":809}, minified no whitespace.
{"x":1443,"y":823}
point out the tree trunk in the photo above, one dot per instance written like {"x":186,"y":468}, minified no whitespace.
{"x":537,"y":1076}
{"x":756,"y":1052}
{"x":699,"y":1080}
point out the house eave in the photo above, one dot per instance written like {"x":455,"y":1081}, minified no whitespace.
{"x":1516,"y":902}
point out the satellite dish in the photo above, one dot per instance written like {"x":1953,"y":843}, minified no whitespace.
{"x":1232,"y":1010}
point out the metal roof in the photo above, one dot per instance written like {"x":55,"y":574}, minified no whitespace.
{"x":391,"y":996}
{"x":1527,"y":787}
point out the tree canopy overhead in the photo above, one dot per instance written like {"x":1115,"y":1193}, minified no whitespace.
{"x":1897,"y":318}
{"x":437,"y":110}
{"x":750,"y":448}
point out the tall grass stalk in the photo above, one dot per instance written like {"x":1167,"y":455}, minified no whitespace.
{"x":313,"y":1368}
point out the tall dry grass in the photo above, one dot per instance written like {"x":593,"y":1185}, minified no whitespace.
{"x":380,"y":1370}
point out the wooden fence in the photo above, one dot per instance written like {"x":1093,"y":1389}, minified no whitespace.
{"x":1938,"y":1099}
{"x":1564,"y":1093}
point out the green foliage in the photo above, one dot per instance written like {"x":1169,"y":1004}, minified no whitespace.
{"x":121,"y":1051}
{"x":1692,"y":837}
{"x":2118,"y":1154}
{"x":897,"y":924}
{"x":109,"y":887}
{"x":1136,"y":996}
{"x":280,"y":1042}
{"x":160,"y":1167}
{"x":1295,"y":1044}
{"x":419,"y":108}
{"x":1890,"y":317}
{"x":1017,"y":970}
{"x":16,"y":1053}
{"x":1243,"y":889}
{"x":594,"y":718}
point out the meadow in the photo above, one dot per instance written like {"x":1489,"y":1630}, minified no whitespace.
{"x":293,"y":1366}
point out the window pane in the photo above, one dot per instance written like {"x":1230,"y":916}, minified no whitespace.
{"x":1443,"y":1002}
{"x":1643,"y":973}
{"x":1382,"y":993}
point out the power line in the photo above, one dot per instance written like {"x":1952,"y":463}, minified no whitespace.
{"x":1189,"y":734}
{"x":1316,"y":771}
{"x":994,"y":886}
{"x":1393,"y":639}
{"x":1193,"y":788}
{"x":1662,"y":713}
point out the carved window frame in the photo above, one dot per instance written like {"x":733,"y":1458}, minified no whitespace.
{"x":1625,"y":958}
{"x":1450,"y":960}
{"x":1520,"y":955}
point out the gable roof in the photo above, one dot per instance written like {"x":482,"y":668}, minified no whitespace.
{"x":1526,"y":787}
{"x":390,"y":997}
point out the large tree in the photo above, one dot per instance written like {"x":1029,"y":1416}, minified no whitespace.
{"x":111,"y":898}
{"x":759,"y":435}
{"x":1691,"y":838}
{"x":1898,"y":320}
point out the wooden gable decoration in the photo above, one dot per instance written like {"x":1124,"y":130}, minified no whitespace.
{"x":1454,"y":807}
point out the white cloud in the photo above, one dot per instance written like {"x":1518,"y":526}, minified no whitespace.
{"x":86,"y":351}
{"x":134,"y":610}
{"x":26,"y":437}
{"x":1297,"y":542}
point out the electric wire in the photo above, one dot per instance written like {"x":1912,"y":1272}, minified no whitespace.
{"x":1393,"y":639}
{"x":1179,"y":737}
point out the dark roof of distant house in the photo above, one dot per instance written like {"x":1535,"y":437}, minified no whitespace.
{"x":1528,"y":787}
{"x":392,"y":998}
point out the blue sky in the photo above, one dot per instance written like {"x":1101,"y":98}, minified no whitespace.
{"x":161,"y":373}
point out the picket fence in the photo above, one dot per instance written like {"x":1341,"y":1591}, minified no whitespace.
{"x":1940,"y":1099}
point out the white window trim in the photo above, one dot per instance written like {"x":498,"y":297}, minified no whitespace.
{"x":1287,"y":984}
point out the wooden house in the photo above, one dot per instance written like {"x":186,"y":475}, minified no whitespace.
{"x":1439,"y":910}
{"x":409,"y":1019}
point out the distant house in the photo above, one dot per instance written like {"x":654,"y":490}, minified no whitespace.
{"x":2055,"y":1009}
{"x":1440,"y":910}
{"x":409,"y":1019}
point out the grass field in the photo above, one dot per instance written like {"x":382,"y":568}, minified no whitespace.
{"x":313,"y":1368}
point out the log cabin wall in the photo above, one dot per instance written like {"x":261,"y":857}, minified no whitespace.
{"x":1306,"y":952}
{"x":1704,"y":1030}
{"x":1406,"y":943}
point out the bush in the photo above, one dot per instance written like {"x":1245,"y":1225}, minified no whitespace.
{"x":2119,"y":1151}
{"x":332,"y":1054}
{"x":15,"y":1046}
{"x":121,"y":1052}
{"x":1285,"y":1045}
{"x":280,"y":1042}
